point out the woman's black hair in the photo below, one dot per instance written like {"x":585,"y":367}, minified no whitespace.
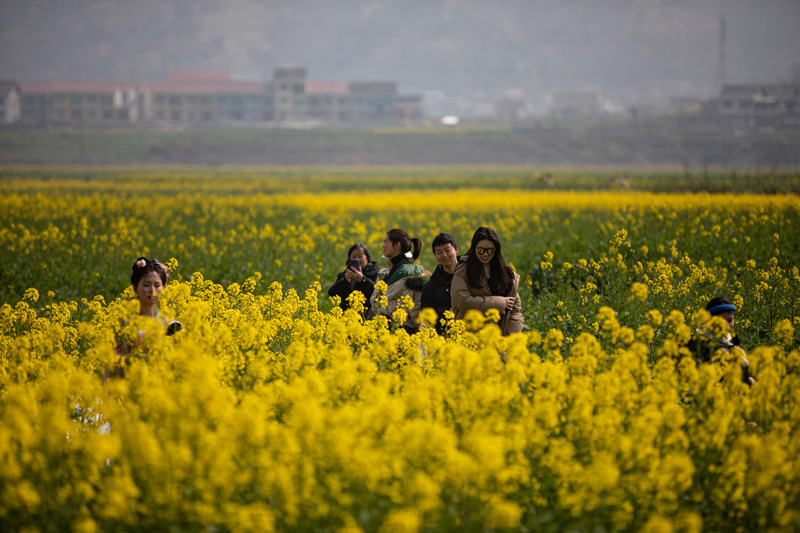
{"x":358,"y":246}
{"x":406,"y":242}
{"x":150,"y":265}
{"x":501,"y":274}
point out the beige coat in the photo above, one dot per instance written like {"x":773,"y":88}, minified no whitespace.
{"x":463,"y":298}
{"x":407,"y":286}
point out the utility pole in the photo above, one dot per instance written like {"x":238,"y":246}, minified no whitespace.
{"x":722,"y":74}
{"x":722,"y":81}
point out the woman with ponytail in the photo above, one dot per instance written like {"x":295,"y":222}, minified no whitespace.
{"x":403,"y":277}
{"x":482,"y":280}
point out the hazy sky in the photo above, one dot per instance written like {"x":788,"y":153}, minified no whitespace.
{"x":632,"y":51}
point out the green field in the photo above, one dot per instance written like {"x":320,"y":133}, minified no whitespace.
{"x":274,"y":410}
{"x":686,"y":142}
{"x":74,"y":231}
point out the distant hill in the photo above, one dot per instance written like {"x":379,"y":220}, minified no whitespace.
{"x":634,"y":51}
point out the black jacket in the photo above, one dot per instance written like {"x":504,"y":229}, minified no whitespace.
{"x":342,"y":288}
{"x":436,"y":294}
{"x":703,"y":346}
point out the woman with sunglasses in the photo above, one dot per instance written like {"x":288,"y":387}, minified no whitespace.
{"x":484,"y":281}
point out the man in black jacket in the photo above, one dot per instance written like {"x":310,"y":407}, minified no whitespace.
{"x":436,"y":292}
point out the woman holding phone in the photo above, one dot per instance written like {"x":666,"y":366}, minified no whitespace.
{"x":360,"y":274}
{"x":482,"y":280}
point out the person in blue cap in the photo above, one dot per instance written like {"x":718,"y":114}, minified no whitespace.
{"x":721,"y":307}
{"x":703,"y":347}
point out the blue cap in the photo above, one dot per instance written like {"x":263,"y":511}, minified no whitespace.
{"x":718,"y":309}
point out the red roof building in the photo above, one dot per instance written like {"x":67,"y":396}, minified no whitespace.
{"x":206,"y":96}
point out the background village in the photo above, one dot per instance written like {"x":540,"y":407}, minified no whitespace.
{"x":293,"y":99}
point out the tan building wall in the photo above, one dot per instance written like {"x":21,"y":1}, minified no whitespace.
{"x":93,"y":103}
{"x":182,"y":106}
{"x":10,"y":105}
{"x":291,"y":100}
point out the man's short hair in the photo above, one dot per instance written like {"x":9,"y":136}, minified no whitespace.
{"x":442,"y":239}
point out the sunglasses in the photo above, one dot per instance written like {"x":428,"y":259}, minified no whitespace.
{"x":485,"y":251}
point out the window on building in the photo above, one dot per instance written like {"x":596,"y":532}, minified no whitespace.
{"x":160,"y":99}
{"x":175,"y":115}
{"x":298,"y":88}
{"x":76,"y":99}
{"x":108,"y":114}
{"x":190,"y":99}
{"x":107,"y":99}
{"x":60,"y":98}
{"x":92,"y":98}
{"x":175,"y":99}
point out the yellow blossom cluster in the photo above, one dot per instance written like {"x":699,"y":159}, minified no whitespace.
{"x":273,"y":409}
{"x":266,"y":413}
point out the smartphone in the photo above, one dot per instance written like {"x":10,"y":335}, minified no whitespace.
{"x":355,"y":264}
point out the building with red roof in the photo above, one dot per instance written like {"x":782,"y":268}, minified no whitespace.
{"x":79,"y":102}
{"x":191,"y":97}
{"x":213,"y":96}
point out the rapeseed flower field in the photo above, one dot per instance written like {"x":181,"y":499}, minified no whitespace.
{"x":274,"y":410}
